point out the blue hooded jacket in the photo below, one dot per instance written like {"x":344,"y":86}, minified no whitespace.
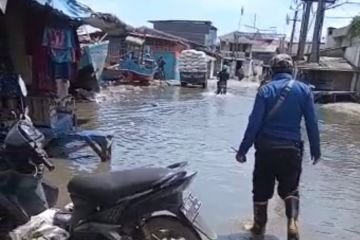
{"x":286,"y":122}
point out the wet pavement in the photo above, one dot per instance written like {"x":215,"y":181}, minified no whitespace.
{"x":163,"y":125}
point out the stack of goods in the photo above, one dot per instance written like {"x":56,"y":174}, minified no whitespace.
{"x":192,"y":61}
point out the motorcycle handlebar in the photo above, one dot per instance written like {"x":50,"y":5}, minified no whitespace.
{"x":42,"y":157}
{"x":48,"y":163}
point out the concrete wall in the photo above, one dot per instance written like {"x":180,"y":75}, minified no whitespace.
{"x":331,"y":80}
{"x":356,"y":82}
{"x":352,"y":55}
{"x":342,"y":81}
{"x":330,"y":40}
{"x":263,"y":56}
{"x":200,"y":33}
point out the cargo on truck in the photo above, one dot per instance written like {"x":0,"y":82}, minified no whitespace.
{"x":193,"y":68}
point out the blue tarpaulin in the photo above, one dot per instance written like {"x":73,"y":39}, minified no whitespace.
{"x":71,"y":8}
{"x":78,"y":11}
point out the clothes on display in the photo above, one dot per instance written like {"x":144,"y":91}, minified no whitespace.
{"x":61,"y":44}
{"x":55,"y":52}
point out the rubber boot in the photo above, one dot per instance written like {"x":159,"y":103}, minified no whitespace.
{"x":260,"y":219}
{"x":292,"y":213}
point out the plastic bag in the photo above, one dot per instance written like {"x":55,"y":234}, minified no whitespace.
{"x":40,"y":227}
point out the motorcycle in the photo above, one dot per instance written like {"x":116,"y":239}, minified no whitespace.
{"x":143,"y":203}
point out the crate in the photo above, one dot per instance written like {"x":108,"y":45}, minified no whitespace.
{"x":42,"y":111}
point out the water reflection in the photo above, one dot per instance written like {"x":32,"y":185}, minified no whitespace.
{"x":159,"y":126}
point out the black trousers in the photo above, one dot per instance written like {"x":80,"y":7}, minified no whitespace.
{"x":281,"y":165}
{"x":218,"y":86}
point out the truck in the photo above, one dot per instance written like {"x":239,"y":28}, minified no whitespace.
{"x":193,"y":68}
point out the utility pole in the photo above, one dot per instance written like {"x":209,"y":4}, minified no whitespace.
{"x":320,"y":15}
{"x":255,"y":21}
{"x":295,"y":20}
{"x":304,"y":29}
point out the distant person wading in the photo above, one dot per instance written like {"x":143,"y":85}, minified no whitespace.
{"x":223,"y":77}
{"x":274,"y":128}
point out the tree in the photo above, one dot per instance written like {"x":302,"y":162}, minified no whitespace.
{"x":354,"y":29}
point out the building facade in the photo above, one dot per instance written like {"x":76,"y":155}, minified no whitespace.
{"x":201,"y":32}
{"x":349,"y":49}
{"x":246,"y":52}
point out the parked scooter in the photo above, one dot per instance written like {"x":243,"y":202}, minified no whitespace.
{"x":143,"y":203}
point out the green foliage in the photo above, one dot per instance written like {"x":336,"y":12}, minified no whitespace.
{"x":354,"y":30}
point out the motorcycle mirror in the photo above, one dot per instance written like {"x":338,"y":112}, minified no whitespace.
{"x":22,"y":86}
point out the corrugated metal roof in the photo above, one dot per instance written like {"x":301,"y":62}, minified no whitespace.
{"x":153,"y":33}
{"x":182,"y":21}
{"x":340,"y":32}
{"x":329,"y":64}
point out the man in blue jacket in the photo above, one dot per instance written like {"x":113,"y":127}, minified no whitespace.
{"x":274,"y":127}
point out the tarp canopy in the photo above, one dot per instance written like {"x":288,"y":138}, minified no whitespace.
{"x":70,"y":8}
{"x":75,"y":10}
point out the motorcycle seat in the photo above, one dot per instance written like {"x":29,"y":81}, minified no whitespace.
{"x":107,"y":188}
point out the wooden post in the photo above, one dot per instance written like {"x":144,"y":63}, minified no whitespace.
{"x":315,"y":51}
{"x":293,"y":30}
{"x":304,"y":29}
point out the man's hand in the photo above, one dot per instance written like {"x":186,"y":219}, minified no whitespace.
{"x":240,"y":158}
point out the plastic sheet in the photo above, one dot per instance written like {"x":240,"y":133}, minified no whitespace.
{"x":40,"y":227}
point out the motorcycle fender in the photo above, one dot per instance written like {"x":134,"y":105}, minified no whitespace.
{"x":202,"y":227}
{"x":108,"y":231}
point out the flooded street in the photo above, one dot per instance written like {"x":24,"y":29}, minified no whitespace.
{"x":160,"y":126}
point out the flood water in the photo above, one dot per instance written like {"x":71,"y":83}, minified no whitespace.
{"x":163,"y":125}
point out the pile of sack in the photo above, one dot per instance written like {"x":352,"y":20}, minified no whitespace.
{"x":192,"y":61}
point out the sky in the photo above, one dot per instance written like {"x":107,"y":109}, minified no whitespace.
{"x":225,"y":14}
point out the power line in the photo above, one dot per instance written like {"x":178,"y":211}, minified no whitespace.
{"x":339,"y":17}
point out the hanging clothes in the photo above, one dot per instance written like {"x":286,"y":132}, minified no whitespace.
{"x":61,"y":43}
{"x":43,"y":71}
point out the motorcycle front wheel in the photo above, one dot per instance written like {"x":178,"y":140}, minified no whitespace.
{"x":167,"y":227}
